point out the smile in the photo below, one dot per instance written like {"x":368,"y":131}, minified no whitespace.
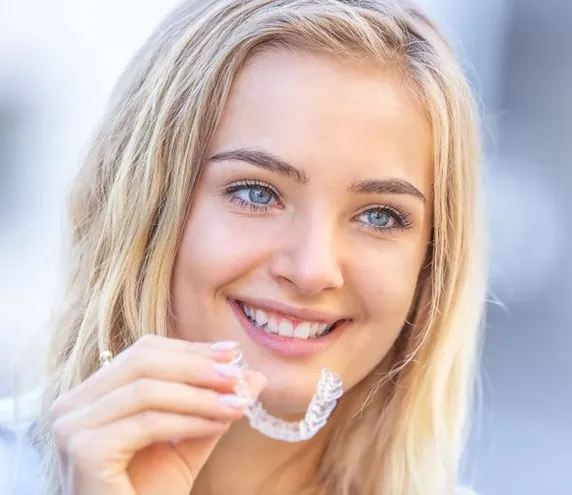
{"x":276,"y":324}
{"x":286,"y":330}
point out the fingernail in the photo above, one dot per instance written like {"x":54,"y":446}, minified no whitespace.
{"x":242,"y":389}
{"x":225,"y":345}
{"x":234,"y":401}
{"x":228,"y":370}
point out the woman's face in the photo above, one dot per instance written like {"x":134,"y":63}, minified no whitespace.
{"x":310,"y":225}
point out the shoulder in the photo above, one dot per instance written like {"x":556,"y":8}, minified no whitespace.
{"x":20,"y":464}
{"x":20,"y":461}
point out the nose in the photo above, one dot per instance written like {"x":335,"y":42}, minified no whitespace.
{"x":309,"y":257}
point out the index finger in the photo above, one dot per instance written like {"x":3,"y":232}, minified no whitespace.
{"x":158,"y":357}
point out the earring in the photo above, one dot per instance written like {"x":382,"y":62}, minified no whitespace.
{"x":105,"y":358}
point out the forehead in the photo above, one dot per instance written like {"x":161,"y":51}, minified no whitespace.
{"x":315,"y":111}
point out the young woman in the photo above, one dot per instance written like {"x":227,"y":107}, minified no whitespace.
{"x":295,"y":180}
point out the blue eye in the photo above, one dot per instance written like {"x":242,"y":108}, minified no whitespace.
{"x":252,"y":195}
{"x":378,"y":218}
{"x":259,"y":195}
{"x":382,"y":218}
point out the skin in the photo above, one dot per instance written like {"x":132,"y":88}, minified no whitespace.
{"x":155,"y":419}
{"x":336,"y":122}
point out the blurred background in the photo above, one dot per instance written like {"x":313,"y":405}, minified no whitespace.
{"x":58,"y":62}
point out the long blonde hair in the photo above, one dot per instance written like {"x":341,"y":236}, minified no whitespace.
{"x":131,"y":198}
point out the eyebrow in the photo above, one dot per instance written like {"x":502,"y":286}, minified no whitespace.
{"x":387,"y":186}
{"x":268,"y":161}
{"x":264,"y":160}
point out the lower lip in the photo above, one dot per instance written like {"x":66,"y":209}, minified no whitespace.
{"x":286,"y":346}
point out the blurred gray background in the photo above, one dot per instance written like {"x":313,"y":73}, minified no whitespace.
{"x":58,"y":62}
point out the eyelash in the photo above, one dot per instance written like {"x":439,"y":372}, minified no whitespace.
{"x":233,"y":188}
{"x":402,"y":219}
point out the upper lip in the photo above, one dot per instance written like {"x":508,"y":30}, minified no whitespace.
{"x":292,"y":312}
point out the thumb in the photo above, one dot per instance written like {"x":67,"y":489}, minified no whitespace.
{"x":256,"y":382}
{"x":196,"y":452}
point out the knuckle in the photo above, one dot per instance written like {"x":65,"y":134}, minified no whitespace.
{"x":148,"y":340}
{"x":146,"y":420}
{"x":141,"y":390}
{"x":55,"y":410}
{"x":136,"y":361}
{"x":62,"y":432}
{"x":78,"y":448}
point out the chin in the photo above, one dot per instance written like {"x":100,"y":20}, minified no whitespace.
{"x":291,"y":385}
{"x":293,"y":363}
{"x":285,"y":398}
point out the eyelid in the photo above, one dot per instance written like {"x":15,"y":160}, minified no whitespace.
{"x":384,"y":206}
{"x":402,"y":217}
{"x":231,"y":189}
{"x":245,"y":183}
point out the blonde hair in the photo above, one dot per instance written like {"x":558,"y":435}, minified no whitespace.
{"x":130,"y":202}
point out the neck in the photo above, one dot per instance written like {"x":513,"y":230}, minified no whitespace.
{"x":244,"y":461}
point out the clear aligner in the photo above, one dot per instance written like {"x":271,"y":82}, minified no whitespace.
{"x":324,"y":400}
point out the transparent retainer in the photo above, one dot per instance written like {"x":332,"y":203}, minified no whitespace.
{"x":324,"y":400}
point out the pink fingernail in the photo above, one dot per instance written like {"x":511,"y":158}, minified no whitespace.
{"x":234,"y":401}
{"x":225,"y":345}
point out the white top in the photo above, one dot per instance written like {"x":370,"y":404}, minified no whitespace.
{"x":20,"y":464}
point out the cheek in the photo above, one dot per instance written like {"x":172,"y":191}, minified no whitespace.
{"x":212,"y":254}
{"x":217,"y":247}
{"x":386,"y":282}
{"x":387,"y":279}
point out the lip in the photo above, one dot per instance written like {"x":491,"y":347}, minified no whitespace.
{"x":295,"y":314}
{"x":286,"y":346}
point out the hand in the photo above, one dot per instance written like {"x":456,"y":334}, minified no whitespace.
{"x":148,"y":422}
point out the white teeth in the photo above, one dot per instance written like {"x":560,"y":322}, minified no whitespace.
{"x":302,"y":331}
{"x":261,"y":317}
{"x":285,"y":329}
{"x":321,"y":328}
{"x":272,"y":325}
{"x":313,"y":329}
